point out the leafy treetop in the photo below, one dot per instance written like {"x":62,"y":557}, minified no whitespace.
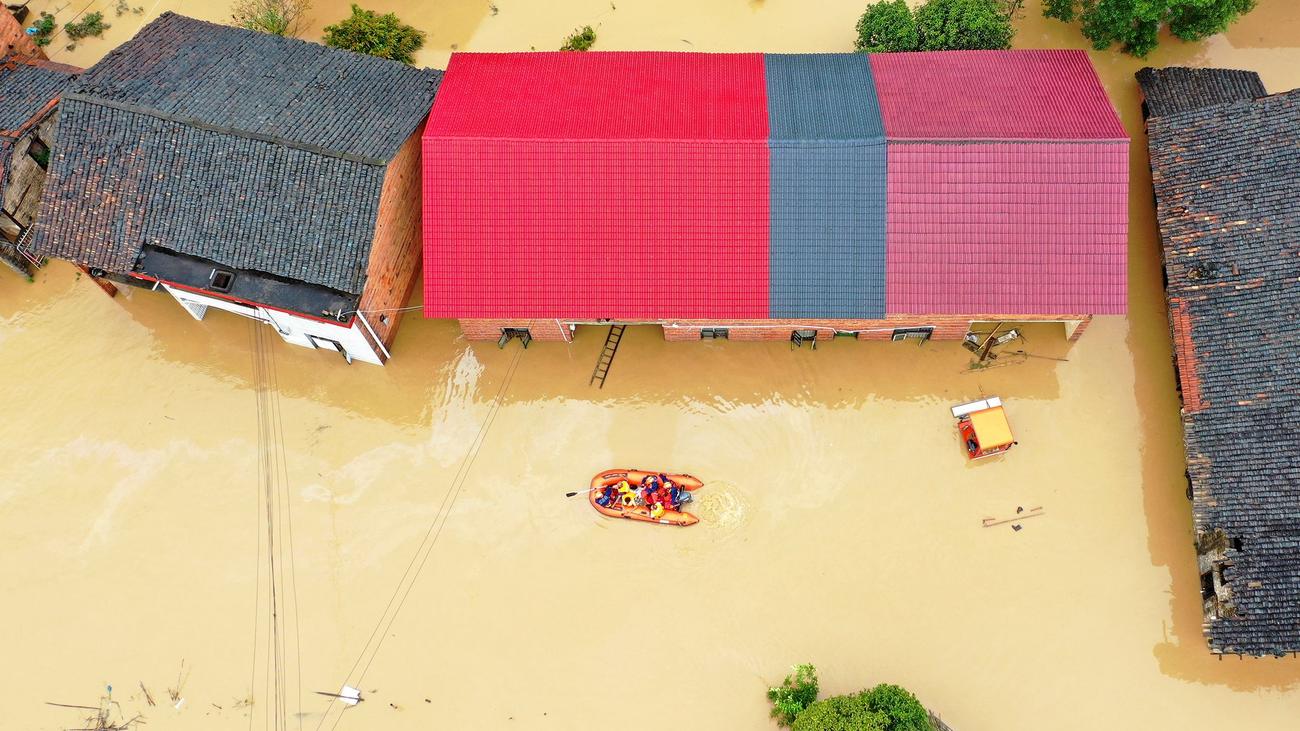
{"x":938,"y":25}
{"x":1136,"y":23}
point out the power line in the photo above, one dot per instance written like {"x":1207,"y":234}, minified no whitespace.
{"x":380,"y":631}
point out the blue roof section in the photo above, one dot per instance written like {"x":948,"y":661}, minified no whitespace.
{"x":821,"y":96}
{"x":826,"y":255}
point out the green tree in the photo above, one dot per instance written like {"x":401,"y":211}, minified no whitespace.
{"x":887,"y":26}
{"x":899,"y":709}
{"x":945,"y":25}
{"x":841,"y":713}
{"x":1136,"y":23}
{"x":368,"y":32}
{"x":794,"y":694}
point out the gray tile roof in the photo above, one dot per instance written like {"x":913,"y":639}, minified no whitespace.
{"x":264,"y":86}
{"x":1179,"y":89}
{"x":27,"y":87}
{"x":1226,"y":179}
{"x":123,"y":180}
{"x":253,"y":151}
{"x":826,"y":247}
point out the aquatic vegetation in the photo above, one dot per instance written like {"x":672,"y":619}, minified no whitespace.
{"x":581,"y":39}
{"x":92,"y":24}
{"x":277,"y":17}
{"x":44,"y":26}
{"x":794,"y":694}
{"x":384,"y":36}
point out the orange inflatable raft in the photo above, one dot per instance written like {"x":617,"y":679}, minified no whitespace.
{"x":611,"y":478}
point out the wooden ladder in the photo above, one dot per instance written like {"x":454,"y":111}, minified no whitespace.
{"x":606,"y":359}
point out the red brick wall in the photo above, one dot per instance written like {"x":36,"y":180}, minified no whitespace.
{"x":552,"y":330}
{"x":1185,"y":355}
{"x":14,"y":40}
{"x":395,"y":253}
{"x":946,"y":327}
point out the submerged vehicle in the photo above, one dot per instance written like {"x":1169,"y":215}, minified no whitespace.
{"x":983,"y":428}
{"x":629,"y":502}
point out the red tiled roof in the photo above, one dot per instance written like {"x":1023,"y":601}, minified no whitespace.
{"x":634,"y":229}
{"x":602,"y":95}
{"x":593,"y":185}
{"x":993,"y":95}
{"x":1007,"y":228}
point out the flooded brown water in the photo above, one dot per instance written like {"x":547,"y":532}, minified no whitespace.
{"x":841,"y":524}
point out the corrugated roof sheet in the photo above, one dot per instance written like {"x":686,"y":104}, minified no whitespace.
{"x":993,"y":95}
{"x":1007,"y":228}
{"x":827,"y":155}
{"x":627,"y":229}
{"x":263,"y":85}
{"x":551,"y":175}
{"x":602,"y":95}
{"x":821,"y":96}
{"x":1227,"y":178}
{"x":827,"y":247}
{"x":1179,"y":89}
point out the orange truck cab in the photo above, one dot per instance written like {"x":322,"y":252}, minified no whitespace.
{"x":983,"y":427}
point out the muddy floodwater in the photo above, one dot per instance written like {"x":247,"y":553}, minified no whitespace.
{"x":841,"y":524}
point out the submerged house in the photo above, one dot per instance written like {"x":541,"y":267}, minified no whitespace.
{"x":241,"y":171}
{"x":29,"y":95}
{"x":763,"y":196}
{"x":1225,"y":165}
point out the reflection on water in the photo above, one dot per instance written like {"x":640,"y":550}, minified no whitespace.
{"x":840,"y":523}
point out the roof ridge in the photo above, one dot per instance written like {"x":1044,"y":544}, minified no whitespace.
{"x":233,"y":131}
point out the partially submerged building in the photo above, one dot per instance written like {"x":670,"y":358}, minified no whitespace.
{"x":29,"y":95}
{"x":763,"y":196}
{"x":1225,"y":164}
{"x":241,"y":171}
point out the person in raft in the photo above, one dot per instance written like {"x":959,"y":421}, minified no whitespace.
{"x":622,"y":493}
{"x":659,"y":493}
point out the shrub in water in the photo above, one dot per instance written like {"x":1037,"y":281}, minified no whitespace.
{"x":368,"y":32}
{"x":277,"y":17}
{"x":794,"y":694}
{"x":92,"y":24}
{"x":581,"y":39}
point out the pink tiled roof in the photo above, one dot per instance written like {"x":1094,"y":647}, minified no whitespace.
{"x":1007,"y":228}
{"x":602,"y":95}
{"x":993,"y":95}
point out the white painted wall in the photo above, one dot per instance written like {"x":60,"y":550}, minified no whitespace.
{"x":294,"y":329}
